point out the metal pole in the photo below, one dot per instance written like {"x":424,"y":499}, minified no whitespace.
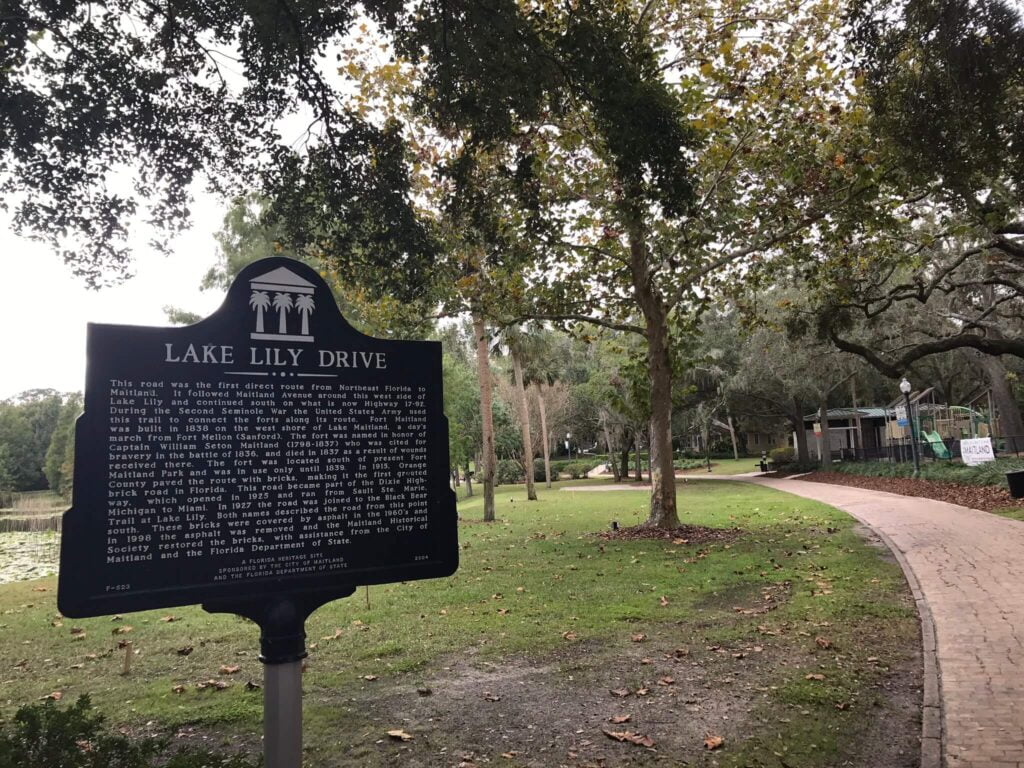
{"x":913,"y":438}
{"x":282,"y":715}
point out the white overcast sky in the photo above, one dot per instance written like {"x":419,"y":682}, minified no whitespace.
{"x":45,"y":308}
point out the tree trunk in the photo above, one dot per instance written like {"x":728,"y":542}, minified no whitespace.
{"x":858,"y":442}
{"x":825,"y":454}
{"x":732,"y":435}
{"x":803,"y":456}
{"x":1010,"y":422}
{"x":486,"y":416}
{"x":663,"y":512}
{"x":524,"y":418}
{"x":624,"y":460}
{"x":638,"y":464}
{"x":608,"y":446}
{"x":469,"y":480}
{"x":544,"y":435}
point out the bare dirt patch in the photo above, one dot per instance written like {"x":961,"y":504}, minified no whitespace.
{"x":684,"y":534}
{"x":983,"y":497}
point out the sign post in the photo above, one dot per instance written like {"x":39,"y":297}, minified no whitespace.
{"x":262,"y":462}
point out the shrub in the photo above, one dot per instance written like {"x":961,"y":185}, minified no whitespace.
{"x":782,"y":456}
{"x":989,"y":473}
{"x":74,"y":737}
{"x":578,"y":469}
{"x":538,"y":471}
{"x":688,"y":463}
{"x":508,"y":472}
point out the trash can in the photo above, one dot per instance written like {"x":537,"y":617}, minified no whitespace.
{"x":1015,"y":480}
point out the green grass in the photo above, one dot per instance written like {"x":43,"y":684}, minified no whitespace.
{"x":990,"y":473}
{"x":524,"y":582}
{"x":729,"y":466}
{"x":1014,"y":513}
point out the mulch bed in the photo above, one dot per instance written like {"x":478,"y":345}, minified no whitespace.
{"x":684,"y":534}
{"x":984,"y":497}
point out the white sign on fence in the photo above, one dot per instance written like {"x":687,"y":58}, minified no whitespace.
{"x":901,"y":416}
{"x":976,"y":450}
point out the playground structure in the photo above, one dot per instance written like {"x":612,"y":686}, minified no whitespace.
{"x":875,"y":432}
{"x":937,"y":427}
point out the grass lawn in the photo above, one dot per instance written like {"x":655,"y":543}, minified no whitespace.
{"x":796,"y":642}
{"x":1014,"y":513}
{"x":729,"y":466}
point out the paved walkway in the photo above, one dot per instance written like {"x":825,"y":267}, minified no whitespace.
{"x":970,"y":568}
{"x":967,"y":571}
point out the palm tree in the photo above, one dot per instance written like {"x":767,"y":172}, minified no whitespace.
{"x":282,"y":303}
{"x":526,"y":347}
{"x":542,"y":371}
{"x":305,"y":305}
{"x":259,"y":301}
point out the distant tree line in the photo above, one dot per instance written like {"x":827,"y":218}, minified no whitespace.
{"x":37,"y":447}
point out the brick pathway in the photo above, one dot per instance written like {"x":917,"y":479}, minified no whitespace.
{"x":970,"y":568}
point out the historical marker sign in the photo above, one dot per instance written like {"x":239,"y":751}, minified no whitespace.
{"x":270,"y":449}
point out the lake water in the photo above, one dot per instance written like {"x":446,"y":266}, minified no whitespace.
{"x":27,"y":555}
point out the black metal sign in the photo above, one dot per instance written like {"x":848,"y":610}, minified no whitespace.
{"x":268,"y":450}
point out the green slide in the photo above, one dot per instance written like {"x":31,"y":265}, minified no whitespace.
{"x":938,"y":447}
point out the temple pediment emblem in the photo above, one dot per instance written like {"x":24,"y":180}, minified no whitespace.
{"x":291,"y":297}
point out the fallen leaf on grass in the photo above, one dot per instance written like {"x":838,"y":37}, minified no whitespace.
{"x":185,"y":651}
{"x":56,"y":623}
{"x":77,"y":631}
{"x":823,"y":642}
{"x":124,"y":629}
{"x":663,"y":601}
{"x":251,"y":686}
{"x":369,"y":677}
{"x":218,"y":685}
{"x":399,"y":735}
{"x":633,"y":738}
{"x":666,"y":680}
{"x":424,"y":691}
{"x":491,"y":697}
{"x":620,"y":692}
{"x":509,"y":755}
{"x":168,"y":619}
{"x":619,"y":719}
{"x":642,"y":691}
{"x":55,"y":696}
{"x":503,"y":611}
{"x":335,"y":636}
{"x":178,"y":689}
{"x":569,"y":635}
{"x":814,"y":676}
{"x":681,"y":652}
{"x":40,"y":589}
{"x":229,"y":669}
{"x":639,"y":637}
{"x":713,"y":741}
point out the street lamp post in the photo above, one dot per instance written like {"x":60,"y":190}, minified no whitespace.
{"x":905,"y":389}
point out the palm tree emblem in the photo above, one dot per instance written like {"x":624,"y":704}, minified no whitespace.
{"x":282,"y":303}
{"x":259,"y":301}
{"x":304,"y":304}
